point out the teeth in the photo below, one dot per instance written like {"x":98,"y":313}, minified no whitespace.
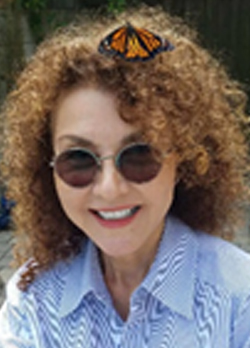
{"x":116,"y":215}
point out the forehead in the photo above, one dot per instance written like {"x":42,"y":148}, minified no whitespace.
{"x":91,"y":114}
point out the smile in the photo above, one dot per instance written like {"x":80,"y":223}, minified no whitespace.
{"x":118,"y":214}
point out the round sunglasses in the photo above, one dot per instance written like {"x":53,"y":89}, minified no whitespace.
{"x":78,"y":167}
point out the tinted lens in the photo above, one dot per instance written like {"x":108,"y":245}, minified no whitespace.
{"x":138,"y":163}
{"x":76,"y":167}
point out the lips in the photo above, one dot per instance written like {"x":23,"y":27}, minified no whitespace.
{"x":116,"y":214}
{"x":113,"y":218}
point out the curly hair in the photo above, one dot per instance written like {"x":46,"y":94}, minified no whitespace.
{"x":186,"y":90}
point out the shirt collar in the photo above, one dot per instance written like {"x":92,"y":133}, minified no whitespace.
{"x":170,"y":278}
{"x":83,"y":277}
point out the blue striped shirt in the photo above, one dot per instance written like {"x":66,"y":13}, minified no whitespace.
{"x":196,"y":294}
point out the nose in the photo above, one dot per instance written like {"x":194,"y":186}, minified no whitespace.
{"x":109,"y":184}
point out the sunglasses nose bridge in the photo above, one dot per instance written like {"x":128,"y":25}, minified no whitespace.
{"x":104,"y":158}
{"x":109,"y":183}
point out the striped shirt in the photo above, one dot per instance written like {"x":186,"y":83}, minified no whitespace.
{"x":196,"y":294}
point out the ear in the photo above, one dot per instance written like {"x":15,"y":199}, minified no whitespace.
{"x":202,"y":162}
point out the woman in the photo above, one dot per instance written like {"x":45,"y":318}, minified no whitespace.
{"x":126,"y":168}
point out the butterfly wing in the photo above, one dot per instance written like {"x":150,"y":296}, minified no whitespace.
{"x":152,"y":43}
{"x":133,"y":44}
{"x":136,"y":49}
{"x":115,"y":43}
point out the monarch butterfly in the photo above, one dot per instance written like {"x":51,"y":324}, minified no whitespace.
{"x":133,"y":44}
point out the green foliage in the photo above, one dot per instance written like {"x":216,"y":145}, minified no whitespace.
{"x":33,"y":5}
{"x":116,"y":6}
{"x":35,"y":10}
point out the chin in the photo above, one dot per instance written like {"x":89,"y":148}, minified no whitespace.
{"x":118,"y":249}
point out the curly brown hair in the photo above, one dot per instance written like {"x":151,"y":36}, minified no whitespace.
{"x":186,"y":90}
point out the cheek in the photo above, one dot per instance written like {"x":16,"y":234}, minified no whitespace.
{"x":72,"y":200}
{"x":163,"y":190}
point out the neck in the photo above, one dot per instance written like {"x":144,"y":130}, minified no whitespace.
{"x":122,"y":277}
{"x":128,"y":271}
{"x":125,"y":273}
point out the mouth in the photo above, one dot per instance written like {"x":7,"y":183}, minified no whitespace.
{"x":116,"y":215}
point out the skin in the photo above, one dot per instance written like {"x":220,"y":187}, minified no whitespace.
{"x":89,"y":118}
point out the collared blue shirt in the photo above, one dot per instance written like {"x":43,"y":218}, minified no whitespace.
{"x":196,"y":294}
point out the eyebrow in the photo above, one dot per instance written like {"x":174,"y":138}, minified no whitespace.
{"x":74,"y":139}
{"x":132,"y":138}
{"x":82,"y":142}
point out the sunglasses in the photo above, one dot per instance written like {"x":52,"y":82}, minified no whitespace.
{"x":78,"y":167}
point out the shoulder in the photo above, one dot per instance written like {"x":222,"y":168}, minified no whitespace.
{"x":218,"y":262}
{"x":48,"y":283}
{"x":223,"y":267}
{"x":223,"y":284}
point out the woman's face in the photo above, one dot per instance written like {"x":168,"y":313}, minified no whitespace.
{"x":89,"y":118}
